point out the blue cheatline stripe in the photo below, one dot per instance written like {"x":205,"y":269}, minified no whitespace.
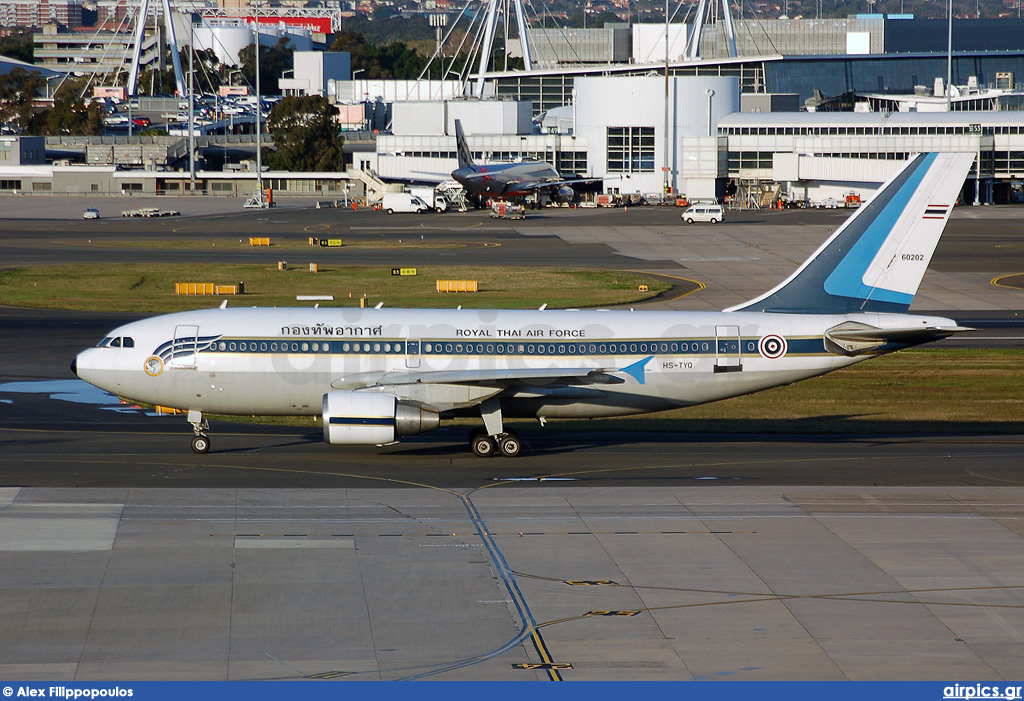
{"x":847,"y":280}
{"x":362,"y":421}
{"x":630,"y":348}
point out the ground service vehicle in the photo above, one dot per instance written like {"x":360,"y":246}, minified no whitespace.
{"x":403,"y":202}
{"x":713,"y":213}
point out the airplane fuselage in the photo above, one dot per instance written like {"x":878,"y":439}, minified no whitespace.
{"x":283,"y":361}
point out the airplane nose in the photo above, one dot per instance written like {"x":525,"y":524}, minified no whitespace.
{"x":74,"y":366}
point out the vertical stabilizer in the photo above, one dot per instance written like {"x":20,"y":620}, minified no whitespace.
{"x":461,"y":148}
{"x":875,"y":261}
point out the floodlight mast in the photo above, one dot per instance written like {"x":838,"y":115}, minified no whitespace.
{"x":259,"y":108}
{"x":257,"y":201}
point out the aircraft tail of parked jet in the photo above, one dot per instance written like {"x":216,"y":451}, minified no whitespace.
{"x":876,"y":260}
{"x":463,"y":153}
{"x":375,"y":375}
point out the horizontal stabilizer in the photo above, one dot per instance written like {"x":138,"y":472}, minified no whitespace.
{"x":855,"y":338}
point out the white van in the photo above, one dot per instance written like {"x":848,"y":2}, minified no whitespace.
{"x":403,"y":202}
{"x":713,"y":213}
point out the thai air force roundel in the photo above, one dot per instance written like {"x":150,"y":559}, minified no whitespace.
{"x":772,"y":346}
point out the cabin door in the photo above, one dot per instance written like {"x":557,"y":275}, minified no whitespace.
{"x":728,"y":358}
{"x":185,"y":346}
{"x":412,"y":353}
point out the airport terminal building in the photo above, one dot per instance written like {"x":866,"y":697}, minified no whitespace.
{"x":713,"y":128}
{"x":814,"y":156}
{"x":710,"y":149}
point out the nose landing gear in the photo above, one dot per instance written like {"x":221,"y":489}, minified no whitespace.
{"x":200,"y":442}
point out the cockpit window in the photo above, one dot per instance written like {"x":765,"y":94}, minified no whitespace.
{"x":118,"y":342}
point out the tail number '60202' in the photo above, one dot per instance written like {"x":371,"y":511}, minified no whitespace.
{"x":912,"y":256}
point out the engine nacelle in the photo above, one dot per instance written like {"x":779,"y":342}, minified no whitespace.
{"x":372,"y":418}
{"x":564,"y":194}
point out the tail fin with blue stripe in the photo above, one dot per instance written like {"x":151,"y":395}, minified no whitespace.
{"x":875,"y":261}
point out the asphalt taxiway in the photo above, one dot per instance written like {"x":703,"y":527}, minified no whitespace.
{"x":594,"y":555}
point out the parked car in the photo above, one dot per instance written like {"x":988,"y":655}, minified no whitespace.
{"x":141,"y":121}
{"x":713,"y":213}
{"x":91,"y":213}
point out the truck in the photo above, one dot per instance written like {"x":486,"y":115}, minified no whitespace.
{"x":403,"y":202}
{"x":431,"y":196}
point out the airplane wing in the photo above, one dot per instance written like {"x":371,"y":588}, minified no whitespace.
{"x":430,"y":176}
{"x":541,"y":184}
{"x":451,"y":389}
{"x":502,"y":377}
{"x":495,"y":377}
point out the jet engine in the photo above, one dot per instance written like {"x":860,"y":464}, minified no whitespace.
{"x":372,"y":418}
{"x":564,"y":194}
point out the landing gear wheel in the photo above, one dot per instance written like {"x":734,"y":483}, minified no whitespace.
{"x":200,"y":444}
{"x":510,"y":445}
{"x":481,"y":444}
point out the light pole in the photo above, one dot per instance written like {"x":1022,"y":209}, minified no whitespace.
{"x":259,"y":114}
{"x":666,"y":166}
{"x":949,"y":60}
{"x":710,"y":93}
{"x":356,"y":92}
{"x":191,"y":106}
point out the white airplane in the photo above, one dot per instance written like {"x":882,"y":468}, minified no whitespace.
{"x":375,"y":375}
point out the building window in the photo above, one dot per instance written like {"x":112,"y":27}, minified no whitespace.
{"x":41,"y":187}
{"x":10,"y":184}
{"x":630,"y":149}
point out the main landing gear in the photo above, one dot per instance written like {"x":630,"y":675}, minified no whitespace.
{"x":493,"y":439}
{"x":200,"y":442}
{"x":484,"y":446}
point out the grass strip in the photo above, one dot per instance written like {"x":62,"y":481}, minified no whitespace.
{"x":149,"y":288}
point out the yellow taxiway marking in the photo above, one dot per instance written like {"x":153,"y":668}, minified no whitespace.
{"x":997,"y":281}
